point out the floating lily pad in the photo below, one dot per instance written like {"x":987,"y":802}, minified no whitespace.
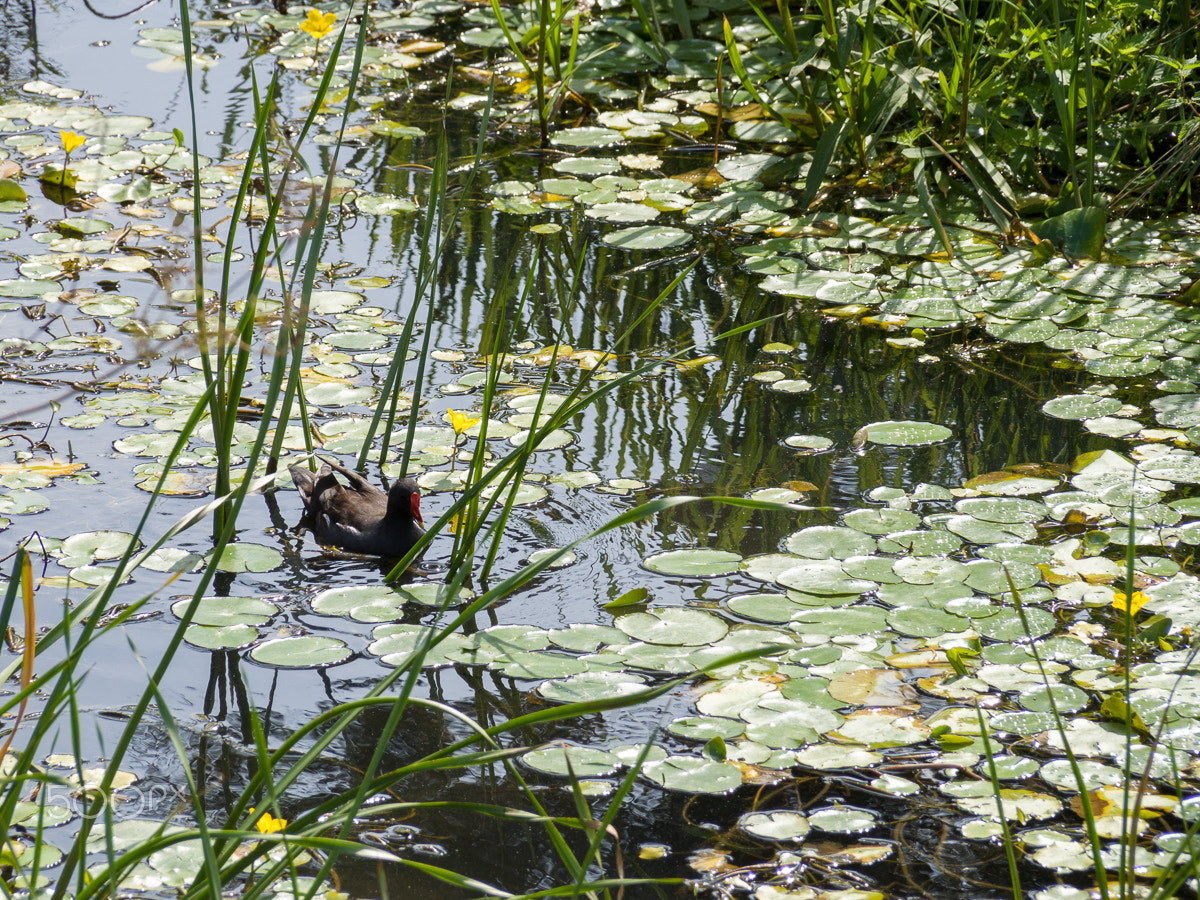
{"x":823,"y":578}
{"x":902,"y":434}
{"x":837,"y":622}
{"x":220,"y":637}
{"x":980,"y":798}
{"x":433,"y":593}
{"x":778,"y":825}
{"x":826,"y":541}
{"x":1002,"y":510}
{"x":80,"y":549}
{"x":978,"y":531}
{"x":647,"y":237}
{"x":697,"y":563}
{"x":935,"y":595}
{"x":811,"y":442}
{"x":705,"y":728}
{"x":673,"y":627}
{"x":1080,"y":406}
{"x":881,"y":521}
{"x":582,"y":638}
{"x":301,"y":652}
{"x":769,"y":566}
{"x":397,"y":645}
{"x":689,"y":774}
{"x":363,"y":603}
{"x":586,"y":137}
{"x":249,"y":557}
{"x":926,"y":623}
{"x":539,"y":665}
{"x":879,"y":730}
{"x":218,"y":611}
{"x":843,"y":819}
{"x":577,"y":762}
{"x":591,"y":686}
{"x":920,"y":542}
{"x":1009,"y":625}
{"x":763,"y":607}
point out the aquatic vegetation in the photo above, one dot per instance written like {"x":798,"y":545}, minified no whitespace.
{"x":860,"y":454}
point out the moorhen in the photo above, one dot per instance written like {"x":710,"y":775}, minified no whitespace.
{"x":360,"y":518}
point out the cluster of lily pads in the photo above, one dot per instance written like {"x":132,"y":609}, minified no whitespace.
{"x":859,"y":619}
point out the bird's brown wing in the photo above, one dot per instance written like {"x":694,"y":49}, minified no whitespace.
{"x":358,"y":483}
{"x":312,"y":487}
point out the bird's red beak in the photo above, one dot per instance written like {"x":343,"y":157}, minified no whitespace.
{"x":415,"y":500}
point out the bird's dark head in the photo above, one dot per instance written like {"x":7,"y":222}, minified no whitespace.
{"x":404,"y":500}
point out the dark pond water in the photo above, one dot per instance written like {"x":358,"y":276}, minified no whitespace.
{"x":706,"y":430}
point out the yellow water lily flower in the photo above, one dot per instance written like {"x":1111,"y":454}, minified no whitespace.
{"x":1139,"y":600}
{"x":268,"y":824}
{"x":460,"y":421}
{"x":318,"y":24}
{"x":71,"y":141}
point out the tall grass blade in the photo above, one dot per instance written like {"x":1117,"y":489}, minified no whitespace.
{"x":827,"y":147}
{"x":927,"y":204}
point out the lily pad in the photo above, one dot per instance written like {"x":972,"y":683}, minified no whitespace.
{"x":689,"y":774}
{"x":697,"y":563}
{"x":902,"y":434}
{"x":778,"y":825}
{"x":673,"y":627}
{"x":647,"y":237}
{"x":301,"y":652}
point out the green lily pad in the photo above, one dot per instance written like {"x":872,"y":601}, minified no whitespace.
{"x":810,"y":442}
{"x":1078,"y":232}
{"x":433,"y":593}
{"x":902,"y":434}
{"x":881,"y":521}
{"x":308,"y":651}
{"x":581,"y":638}
{"x":843,"y":819}
{"x":363,"y":603}
{"x":777,"y":825}
{"x":823,"y":578}
{"x":577,"y":762}
{"x":220,"y":637}
{"x":920,"y":542}
{"x":1008,"y":624}
{"x":647,"y":237}
{"x":1002,"y":510}
{"x":978,"y":531}
{"x":218,"y":611}
{"x":79,"y":549}
{"x":704,"y":728}
{"x":592,"y":686}
{"x":829,"y":541}
{"x":248,"y":557}
{"x":856,"y":620}
{"x":586,"y":137}
{"x":673,"y":626}
{"x":763,"y":607}
{"x":697,"y":563}
{"x":691,"y":775}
